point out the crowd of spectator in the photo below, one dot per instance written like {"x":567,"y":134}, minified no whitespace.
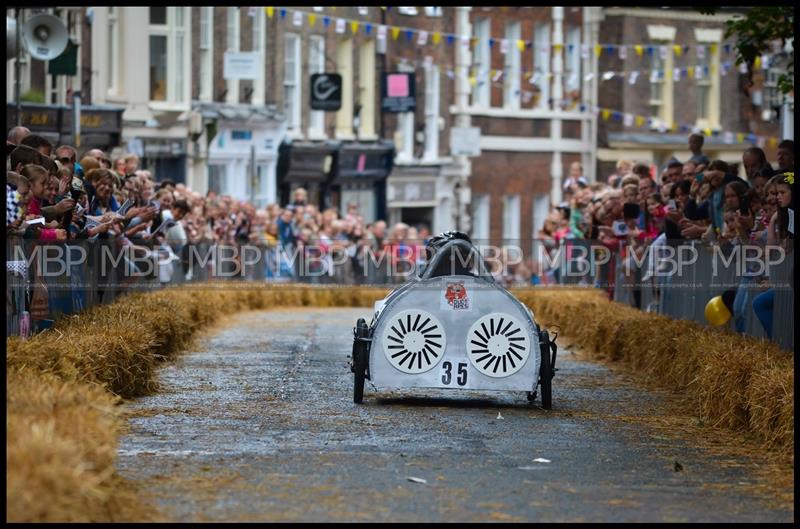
{"x":695,"y":199}
{"x":55,"y":195}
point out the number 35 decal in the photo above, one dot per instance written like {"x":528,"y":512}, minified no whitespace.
{"x":447,"y":375}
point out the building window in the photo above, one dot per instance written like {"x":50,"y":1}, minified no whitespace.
{"x":366,"y":89}
{"x":158,"y":16}
{"x":158,"y":68}
{"x":232,"y":45}
{"x":169,"y":72}
{"x":511,"y":87}
{"x":772,"y":95}
{"x":541,"y":64}
{"x":480,"y":215}
{"x":206,"y":46}
{"x":661,"y":103}
{"x":291,"y":81}
{"x":259,"y":45}
{"x":431,"y":112}
{"x":344,"y":62}
{"x":703,"y":88}
{"x":707,"y":77}
{"x":405,"y":127}
{"x":511,"y":219}
{"x":572,"y":72}
{"x":316,"y":64}
{"x":410,"y":11}
{"x":217,"y":180}
{"x":113,"y":50}
{"x":433,"y":11}
{"x":482,"y":63}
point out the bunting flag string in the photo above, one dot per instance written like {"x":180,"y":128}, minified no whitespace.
{"x":494,"y":76}
{"x":629,"y":120}
{"x":619,"y":51}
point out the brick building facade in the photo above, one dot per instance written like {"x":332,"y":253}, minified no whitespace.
{"x":716,"y":102}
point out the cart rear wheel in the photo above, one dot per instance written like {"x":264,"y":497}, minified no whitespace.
{"x":546,"y":376}
{"x":360,"y":356}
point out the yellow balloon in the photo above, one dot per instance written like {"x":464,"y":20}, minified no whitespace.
{"x":716,"y":312}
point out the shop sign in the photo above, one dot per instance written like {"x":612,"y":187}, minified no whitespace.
{"x":326,"y":91}
{"x":398,"y":92}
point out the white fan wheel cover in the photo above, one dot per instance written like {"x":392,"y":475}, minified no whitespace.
{"x":413,"y":341}
{"x":498,"y":345}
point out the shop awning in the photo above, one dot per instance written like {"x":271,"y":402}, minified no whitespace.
{"x":303,"y":162}
{"x":101,"y":125}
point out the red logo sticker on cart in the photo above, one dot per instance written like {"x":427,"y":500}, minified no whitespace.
{"x":456,"y":296}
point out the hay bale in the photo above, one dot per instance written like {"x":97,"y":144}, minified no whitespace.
{"x":738,"y":382}
{"x":60,"y":451}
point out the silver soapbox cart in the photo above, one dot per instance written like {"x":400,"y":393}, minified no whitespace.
{"x":453,"y":327}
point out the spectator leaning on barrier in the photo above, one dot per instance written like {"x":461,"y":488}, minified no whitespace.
{"x":781,"y":232}
{"x":754,"y":159}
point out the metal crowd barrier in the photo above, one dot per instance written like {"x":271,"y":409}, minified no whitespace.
{"x":684,"y":295}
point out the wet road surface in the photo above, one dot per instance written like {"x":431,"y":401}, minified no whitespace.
{"x":258,"y":424}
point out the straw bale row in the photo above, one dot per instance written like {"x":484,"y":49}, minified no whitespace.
{"x":62,"y":384}
{"x":729,"y":380}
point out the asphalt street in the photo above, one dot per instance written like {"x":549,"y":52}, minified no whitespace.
{"x":257,"y":423}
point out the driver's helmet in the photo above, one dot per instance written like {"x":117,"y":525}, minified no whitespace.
{"x":460,"y":265}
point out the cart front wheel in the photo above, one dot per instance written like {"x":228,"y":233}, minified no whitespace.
{"x":546,"y":377}
{"x":360,"y":356}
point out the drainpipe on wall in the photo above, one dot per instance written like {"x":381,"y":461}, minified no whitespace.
{"x":556,"y":166}
{"x":460,"y":217}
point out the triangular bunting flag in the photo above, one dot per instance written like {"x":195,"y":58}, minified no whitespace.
{"x":354,"y":26}
{"x":270,"y":11}
{"x":503,"y":46}
{"x":639,"y":49}
{"x":521,"y":45}
{"x":312,"y":19}
{"x":436,"y":38}
{"x":395,"y":33}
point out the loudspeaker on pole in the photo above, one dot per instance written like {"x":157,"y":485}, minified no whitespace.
{"x":45,"y":36}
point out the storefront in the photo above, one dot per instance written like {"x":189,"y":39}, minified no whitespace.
{"x":422,"y":194}
{"x":165,"y":158}
{"x":101,"y":126}
{"x":309,"y":165}
{"x":360,"y":175}
{"x":242,"y":155}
